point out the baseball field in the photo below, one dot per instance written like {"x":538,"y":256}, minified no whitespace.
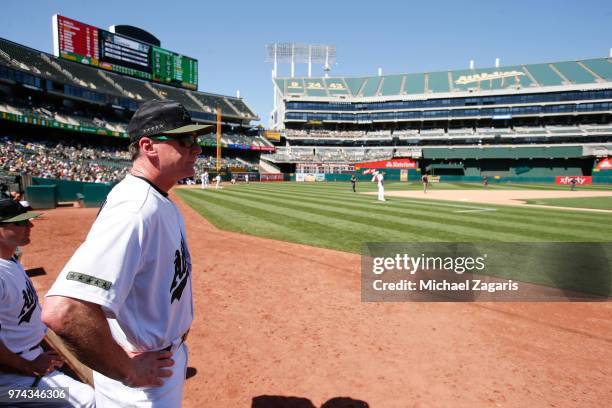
{"x":330,"y":215}
{"x":280,"y":322}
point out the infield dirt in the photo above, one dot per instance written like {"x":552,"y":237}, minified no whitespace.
{"x":279,"y":319}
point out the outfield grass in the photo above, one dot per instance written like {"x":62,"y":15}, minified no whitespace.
{"x":599,"y":203}
{"x":329,"y":215}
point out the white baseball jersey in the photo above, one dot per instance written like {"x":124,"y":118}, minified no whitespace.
{"x":20,"y":325}
{"x":381,"y":186}
{"x":135,"y":264}
{"x":22,"y":330}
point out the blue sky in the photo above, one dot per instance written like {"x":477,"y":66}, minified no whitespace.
{"x":228,"y":37}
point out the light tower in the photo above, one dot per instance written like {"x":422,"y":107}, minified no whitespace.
{"x":292,"y":53}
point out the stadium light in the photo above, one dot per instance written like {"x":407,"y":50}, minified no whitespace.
{"x":301,"y":54}
{"x":293,"y":53}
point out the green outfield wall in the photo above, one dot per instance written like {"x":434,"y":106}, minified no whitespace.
{"x":67,"y":190}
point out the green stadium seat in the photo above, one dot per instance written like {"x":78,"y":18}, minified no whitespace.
{"x":414,"y":84}
{"x":354,"y":85}
{"x":574,"y":72}
{"x":544,"y":74}
{"x":391,"y":85}
{"x":135,"y":88}
{"x":438,"y":82}
{"x":371,"y":86}
{"x":601,"y":66}
{"x":177,"y":94}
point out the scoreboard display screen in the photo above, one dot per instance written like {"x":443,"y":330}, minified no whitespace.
{"x":76,"y":41}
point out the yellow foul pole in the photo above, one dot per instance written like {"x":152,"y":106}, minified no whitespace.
{"x":218,"y":139}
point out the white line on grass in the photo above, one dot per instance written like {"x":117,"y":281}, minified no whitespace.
{"x":479,"y":210}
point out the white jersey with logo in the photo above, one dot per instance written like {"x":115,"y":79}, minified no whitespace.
{"x":135,"y":264}
{"x":22,"y":330}
{"x":20,"y":325}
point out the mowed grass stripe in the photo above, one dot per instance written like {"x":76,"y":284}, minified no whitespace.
{"x":267,"y":225}
{"x":224,"y":217}
{"x":543,"y":216}
{"x":325,"y":227}
{"x":577,"y":215}
{"x":391,"y":230}
{"x":525,"y":216}
{"x":476,"y":224}
{"x":601,"y":203}
{"x":324,"y":216}
{"x":451,"y":227}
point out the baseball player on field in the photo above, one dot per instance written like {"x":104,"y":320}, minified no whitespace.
{"x":123,"y":301}
{"x":205,"y":179}
{"x":218,"y":181}
{"x":23,"y":362}
{"x":379,"y":177}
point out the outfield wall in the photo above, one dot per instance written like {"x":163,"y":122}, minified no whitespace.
{"x":415,"y":176}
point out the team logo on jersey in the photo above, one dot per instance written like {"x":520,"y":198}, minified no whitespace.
{"x":181,"y":273}
{"x":29,"y":303}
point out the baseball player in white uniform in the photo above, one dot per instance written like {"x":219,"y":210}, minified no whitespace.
{"x":246,"y":178}
{"x":24,"y":363}
{"x":123,"y":301}
{"x":205,"y":179}
{"x":380,"y":179}
{"x":218,"y":180}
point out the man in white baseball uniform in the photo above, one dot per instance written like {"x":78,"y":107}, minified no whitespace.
{"x":380,"y":179}
{"x":218,"y":181}
{"x":123,"y":301}
{"x":23,"y":362}
{"x":205,"y":179}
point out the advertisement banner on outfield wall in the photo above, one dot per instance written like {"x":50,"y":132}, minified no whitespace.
{"x":271,"y":177}
{"x":567,"y":180}
{"x":301,"y":177}
{"x":604,"y":164}
{"x":388,"y":164}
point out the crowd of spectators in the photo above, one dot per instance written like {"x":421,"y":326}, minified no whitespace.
{"x":68,"y":160}
{"x":54,"y":159}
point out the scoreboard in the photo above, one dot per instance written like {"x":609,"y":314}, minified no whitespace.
{"x":76,"y":41}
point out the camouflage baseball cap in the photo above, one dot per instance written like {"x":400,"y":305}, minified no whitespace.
{"x":163,"y":117}
{"x":12,"y":211}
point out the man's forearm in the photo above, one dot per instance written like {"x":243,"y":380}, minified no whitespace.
{"x":83,"y":327}
{"x":11,"y":362}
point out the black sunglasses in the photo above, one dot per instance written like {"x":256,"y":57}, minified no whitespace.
{"x":185,"y":141}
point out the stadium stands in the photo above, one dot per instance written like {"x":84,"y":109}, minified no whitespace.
{"x":543,"y":111}
{"x":56,"y":117}
{"x":107,"y":84}
{"x":133,"y":88}
{"x":528,"y":76}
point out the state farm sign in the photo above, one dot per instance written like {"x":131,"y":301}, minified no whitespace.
{"x":388,"y":164}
